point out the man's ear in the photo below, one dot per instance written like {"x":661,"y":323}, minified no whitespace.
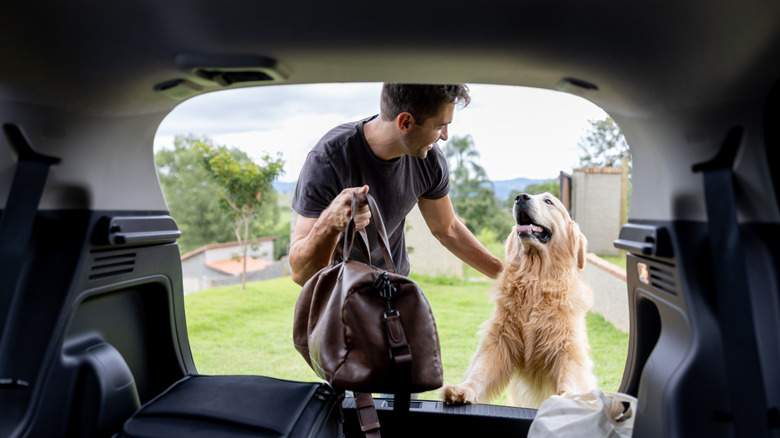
{"x":404,"y":121}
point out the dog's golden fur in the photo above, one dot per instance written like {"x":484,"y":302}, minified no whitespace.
{"x":536,"y":339}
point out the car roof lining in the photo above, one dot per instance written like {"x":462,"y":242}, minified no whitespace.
{"x":644,"y":58}
{"x":675,"y":76}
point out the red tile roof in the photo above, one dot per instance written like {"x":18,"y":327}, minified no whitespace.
{"x":225,"y":245}
{"x":235,"y":266}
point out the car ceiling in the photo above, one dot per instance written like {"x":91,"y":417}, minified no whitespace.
{"x":676,"y":75}
{"x":107,"y":57}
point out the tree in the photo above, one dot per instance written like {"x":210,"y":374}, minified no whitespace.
{"x":472,"y":192}
{"x":464,"y":153}
{"x":191,"y":195}
{"x":533,"y":189}
{"x":550,"y":186}
{"x":242,"y":186}
{"x":603,"y":145}
{"x":193,"y":200}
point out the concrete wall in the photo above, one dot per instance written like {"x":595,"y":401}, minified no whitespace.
{"x":596,"y":194}
{"x":609,"y":289}
{"x":272,"y":271}
{"x":264,"y":251}
{"x":195,"y":284}
{"x":426,"y":255}
{"x":197,"y":276}
{"x":195,"y":266}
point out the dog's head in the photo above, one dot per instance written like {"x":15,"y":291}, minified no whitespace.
{"x":545,"y":227}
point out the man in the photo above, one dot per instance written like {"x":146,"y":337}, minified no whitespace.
{"x":396,"y":157}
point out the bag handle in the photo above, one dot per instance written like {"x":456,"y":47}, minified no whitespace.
{"x":349,"y":233}
{"x":614,"y":401}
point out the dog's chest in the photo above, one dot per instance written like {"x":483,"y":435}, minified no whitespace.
{"x":523,"y":300}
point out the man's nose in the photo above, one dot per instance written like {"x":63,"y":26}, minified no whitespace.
{"x":443,"y":135}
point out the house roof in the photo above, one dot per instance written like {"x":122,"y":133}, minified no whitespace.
{"x":226,"y":245}
{"x":234,"y":266}
{"x":605,"y":169}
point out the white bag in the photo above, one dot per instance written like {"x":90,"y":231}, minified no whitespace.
{"x":594,"y":414}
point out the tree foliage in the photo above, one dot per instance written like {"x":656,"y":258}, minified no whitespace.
{"x":550,"y":186}
{"x":471,"y":191}
{"x":467,"y":171}
{"x":243,"y":186}
{"x":194,"y":201}
{"x":191,"y":195}
{"x":603,"y":145}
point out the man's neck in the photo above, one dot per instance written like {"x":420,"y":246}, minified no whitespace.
{"x":381,"y":137}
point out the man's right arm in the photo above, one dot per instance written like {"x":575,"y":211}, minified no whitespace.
{"x":314,"y":239}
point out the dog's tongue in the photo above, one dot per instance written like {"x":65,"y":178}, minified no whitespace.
{"x":527,"y":229}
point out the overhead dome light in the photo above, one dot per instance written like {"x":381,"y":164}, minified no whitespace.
{"x":577,"y":87}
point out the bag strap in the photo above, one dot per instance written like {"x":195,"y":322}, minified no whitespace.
{"x":744,"y":375}
{"x":401,"y":355}
{"x":367,"y":416}
{"x":362,"y":232}
{"x":348,"y":239}
{"x":384,"y":243}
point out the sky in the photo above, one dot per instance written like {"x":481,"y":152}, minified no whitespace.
{"x":519,"y":132}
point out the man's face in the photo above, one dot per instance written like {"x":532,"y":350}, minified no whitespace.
{"x":420,"y":138}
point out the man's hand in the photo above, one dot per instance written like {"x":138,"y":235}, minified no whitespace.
{"x":340,"y":210}
{"x":314,"y":239}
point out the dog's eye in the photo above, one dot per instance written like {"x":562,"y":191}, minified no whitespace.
{"x":549,"y":201}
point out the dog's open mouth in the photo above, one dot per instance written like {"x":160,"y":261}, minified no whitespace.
{"x":526,"y":229}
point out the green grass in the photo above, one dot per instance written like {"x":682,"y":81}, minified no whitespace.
{"x":617,"y":260}
{"x":250,"y":332}
{"x":608,"y":349}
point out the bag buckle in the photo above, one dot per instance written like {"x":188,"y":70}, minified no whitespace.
{"x":386,"y":290}
{"x":402,"y":351}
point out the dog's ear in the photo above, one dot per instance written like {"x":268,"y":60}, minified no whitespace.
{"x":581,"y":242}
{"x":581,"y":252}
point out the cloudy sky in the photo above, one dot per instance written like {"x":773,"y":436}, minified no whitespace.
{"x":519,"y":132}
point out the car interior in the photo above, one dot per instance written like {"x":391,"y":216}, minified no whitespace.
{"x":92,"y":321}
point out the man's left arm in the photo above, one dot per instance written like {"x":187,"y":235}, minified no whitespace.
{"x":453,"y":234}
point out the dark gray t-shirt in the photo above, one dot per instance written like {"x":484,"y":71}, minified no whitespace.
{"x":343,"y":159}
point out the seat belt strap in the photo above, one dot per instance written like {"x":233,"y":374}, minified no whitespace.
{"x":730,"y":280}
{"x":16,"y":222}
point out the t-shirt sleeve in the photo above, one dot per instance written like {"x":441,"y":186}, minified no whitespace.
{"x":318,"y":185}
{"x":441,"y":173}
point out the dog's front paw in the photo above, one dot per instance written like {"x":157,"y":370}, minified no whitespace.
{"x":457,"y":394}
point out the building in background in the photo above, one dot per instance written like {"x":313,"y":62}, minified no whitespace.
{"x":427,"y":256}
{"x":221,"y":264}
{"x":596,"y":206}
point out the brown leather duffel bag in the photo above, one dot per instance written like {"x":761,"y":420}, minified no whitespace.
{"x":367,"y":329}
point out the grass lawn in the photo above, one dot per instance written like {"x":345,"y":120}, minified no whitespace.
{"x":250,"y":332}
{"x":618,"y":260}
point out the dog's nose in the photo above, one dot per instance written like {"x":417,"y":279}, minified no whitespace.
{"x":523,"y":197}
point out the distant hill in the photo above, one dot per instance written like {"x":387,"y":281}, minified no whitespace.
{"x":502,"y":188}
{"x":284,"y":187}
{"x":512,"y":186}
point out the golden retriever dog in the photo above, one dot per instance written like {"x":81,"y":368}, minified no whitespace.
{"x":536,"y":339}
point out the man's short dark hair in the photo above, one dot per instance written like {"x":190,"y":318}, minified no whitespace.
{"x":420,"y":100}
